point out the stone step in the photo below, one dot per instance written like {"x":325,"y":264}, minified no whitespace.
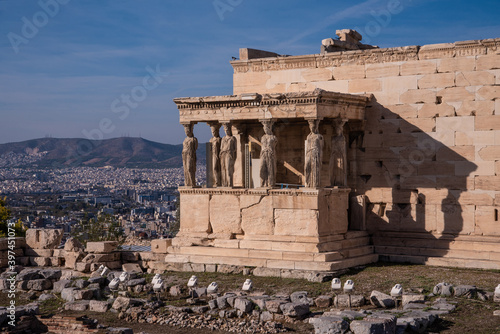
{"x":486,"y":245}
{"x":433,"y":252}
{"x":441,"y":262}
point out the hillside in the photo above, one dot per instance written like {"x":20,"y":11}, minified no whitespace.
{"x":76,"y":152}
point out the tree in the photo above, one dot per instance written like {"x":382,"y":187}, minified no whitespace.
{"x":5,"y":215}
{"x":104,"y":228}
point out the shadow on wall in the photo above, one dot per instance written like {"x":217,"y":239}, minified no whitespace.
{"x":413,"y":177}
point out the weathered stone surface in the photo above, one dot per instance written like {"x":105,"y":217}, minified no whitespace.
{"x":46,"y":296}
{"x":375,"y":324}
{"x":40,"y":284}
{"x":101,"y":246}
{"x":347,"y":301}
{"x":81,"y":283}
{"x":443,"y":289}
{"x":323,"y":301}
{"x":302,"y":222}
{"x":243,"y":304}
{"x":71,"y":258}
{"x":380,"y":299}
{"x":51,"y":274}
{"x":82,"y":267}
{"x":295,"y":310}
{"x":274,"y":305}
{"x":68,"y":294}
{"x":136,"y":281}
{"x":160,"y":245}
{"x":60,"y":285}
{"x":257,"y":218}
{"x":84,"y":294}
{"x":407,"y":299}
{"x":81,"y":305}
{"x":43,"y":238}
{"x":121,"y":303}
{"x":329,"y":325}
{"x":416,"y":321}
{"x":467,"y":291}
{"x":175,"y":290}
{"x":28,"y":274}
{"x":131,"y":268}
{"x":98,"y":306}
{"x":73,"y":245}
{"x":225,"y":216}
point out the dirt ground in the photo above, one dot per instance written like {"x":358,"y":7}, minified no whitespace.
{"x":471,"y":316}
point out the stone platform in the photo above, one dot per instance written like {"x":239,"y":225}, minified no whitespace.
{"x":439,"y":249}
{"x":293,"y":229}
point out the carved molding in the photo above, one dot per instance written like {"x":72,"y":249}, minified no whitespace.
{"x":371,"y":56}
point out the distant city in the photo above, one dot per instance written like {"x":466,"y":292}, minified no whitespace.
{"x":142,"y":200}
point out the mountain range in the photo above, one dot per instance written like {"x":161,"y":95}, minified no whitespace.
{"x":77,"y":152}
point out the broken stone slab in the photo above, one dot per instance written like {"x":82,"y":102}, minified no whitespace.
{"x":51,"y":274}
{"x":347,"y":301}
{"x":97,"y":259}
{"x":351,"y":315}
{"x":412,"y":298}
{"x":380,"y":299}
{"x":68,"y":294}
{"x":131,"y":268}
{"x":260,"y":301}
{"x":81,"y":283}
{"x":101,"y":246}
{"x":301,"y":297}
{"x":81,"y":305}
{"x":323,"y":301}
{"x":416,"y":321}
{"x":73,"y":245}
{"x":28,"y":274}
{"x":136,"y":281}
{"x":160,"y":245}
{"x":39,"y":284}
{"x":414,"y":306}
{"x":98,"y":306}
{"x":71,"y":258}
{"x":46,"y":296}
{"x":244,"y":305}
{"x":83,"y":294}
{"x":443,"y":305}
{"x":496,"y":313}
{"x":44,"y":238}
{"x":295,"y":310}
{"x":39,"y":252}
{"x":82,"y":267}
{"x":467,"y":291}
{"x":222,"y":302}
{"x":374,"y":324}
{"x":273,"y":305}
{"x":329,"y":325}
{"x":60,"y":285}
{"x":443,"y":289}
{"x":40,"y":261}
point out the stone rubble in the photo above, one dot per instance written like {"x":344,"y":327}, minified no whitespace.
{"x":239,"y":312}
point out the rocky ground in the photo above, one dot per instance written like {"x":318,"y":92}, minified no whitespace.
{"x":275,"y":305}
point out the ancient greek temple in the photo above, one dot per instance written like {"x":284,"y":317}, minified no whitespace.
{"x":277,"y":194}
{"x":340,"y":158}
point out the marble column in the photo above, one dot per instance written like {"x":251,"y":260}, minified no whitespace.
{"x":313,"y":155}
{"x":338,"y":157}
{"x":268,"y":156}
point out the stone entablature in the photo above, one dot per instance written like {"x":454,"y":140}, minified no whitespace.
{"x":316,"y":104}
{"x":371,"y":56}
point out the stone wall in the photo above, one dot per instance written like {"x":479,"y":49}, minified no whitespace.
{"x":428,"y":156}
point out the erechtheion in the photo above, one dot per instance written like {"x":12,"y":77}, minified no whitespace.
{"x":345,"y":157}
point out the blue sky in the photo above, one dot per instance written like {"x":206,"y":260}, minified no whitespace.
{"x":67,"y":76}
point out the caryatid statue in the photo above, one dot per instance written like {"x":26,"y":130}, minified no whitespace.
{"x":314,"y":155}
{"x":215,"y":143}
{"x":227,"y":156}
{"x":268,"y":156}
{"x":338,"y":159}
{"x":189,"y":147}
